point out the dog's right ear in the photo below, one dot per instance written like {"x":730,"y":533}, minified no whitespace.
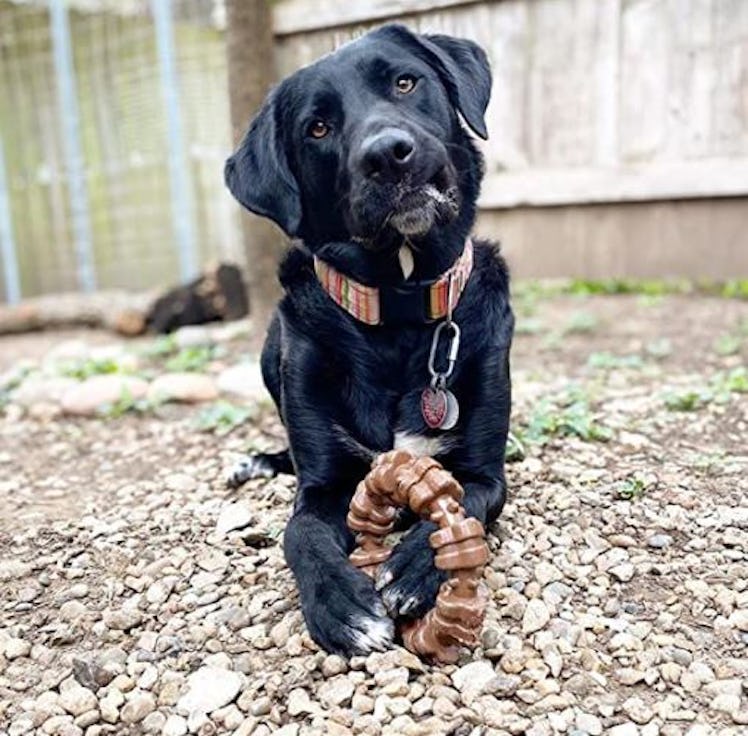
{"x":258,"y":174}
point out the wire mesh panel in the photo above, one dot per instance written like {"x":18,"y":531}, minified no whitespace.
{"x":124,"y":139}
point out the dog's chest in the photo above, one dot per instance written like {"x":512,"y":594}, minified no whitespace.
{"x":384,"y":401}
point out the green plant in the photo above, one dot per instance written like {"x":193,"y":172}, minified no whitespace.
{"x":720,"y":390}
{"x":572,"y":419}
{"x":528,"y":326}
{"x":727,"y":344}
{"x":689,"y":400}
{"x":87,"y":367}
{"x":607,"y":360}
{"x":632,"y":489}
{"x":191,"y":359}
{"x":222,"y":417}
{"x":163,"y":345}
{"x":580,"y":323}
{"x":659,"y":348}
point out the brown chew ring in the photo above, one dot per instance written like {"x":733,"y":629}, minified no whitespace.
{"x":396,"y":479}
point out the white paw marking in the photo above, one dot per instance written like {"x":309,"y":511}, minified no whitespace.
{"x":421,"y":446}
{"x":372,"y":634}
{"x":248,"y":468}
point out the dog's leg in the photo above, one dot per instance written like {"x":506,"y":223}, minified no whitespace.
{"x":343,"y":612}
{"x":259,"y":465}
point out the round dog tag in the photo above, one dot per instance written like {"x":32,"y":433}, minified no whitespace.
{"x":453,"y":412}
{"x":434,"y":406}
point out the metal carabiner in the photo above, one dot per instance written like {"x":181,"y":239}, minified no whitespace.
{"x":453,"y":347}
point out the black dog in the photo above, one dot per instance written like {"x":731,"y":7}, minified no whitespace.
{"x":362,"y":157}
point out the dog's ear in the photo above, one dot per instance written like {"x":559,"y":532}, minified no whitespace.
{"x":462,"y":67}
{"x":258,"y":174}
{"x":466,"y":75}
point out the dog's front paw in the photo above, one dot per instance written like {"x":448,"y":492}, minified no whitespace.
{"x":345,"y":615}
{"x":248,"y":468}
{"x":408,"y":580}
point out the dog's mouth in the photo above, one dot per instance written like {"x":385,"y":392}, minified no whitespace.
{"x":418,"y":208}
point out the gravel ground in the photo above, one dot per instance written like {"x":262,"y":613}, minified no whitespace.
{"x":139,"y":596}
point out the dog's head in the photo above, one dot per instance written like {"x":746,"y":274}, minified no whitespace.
{"x":366,"y":144}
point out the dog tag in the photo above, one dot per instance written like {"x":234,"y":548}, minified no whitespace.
{"x":453,"y":412}
{"x":434,"y":407}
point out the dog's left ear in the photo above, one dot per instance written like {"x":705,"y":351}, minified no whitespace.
{"x":258,"y":174}
{"x":466,"y":75}
{"x":461,"y":65}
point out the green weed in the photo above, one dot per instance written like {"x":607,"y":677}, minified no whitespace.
{"x":191,"y":359}
{"x":581,"y":323}
{"x":632,"y":489}
{"x":607,"y":360}
{"x":222,"y":417}
{"x":85,"y":368}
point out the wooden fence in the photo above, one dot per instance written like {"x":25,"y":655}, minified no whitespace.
{"x":619,"y":132}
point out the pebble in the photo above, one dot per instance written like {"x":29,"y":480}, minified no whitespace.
{"x":536,"y":616}
{"x":472,"y":679}
{"x":233,"y":516}
{"x":137,"y":707}
{"x":77,"y":700}
{"x":243,"y":380}
{"x":189,"y":388}
{"x":98,"y":392}
{"x":210,"y":688}
{"x":15,"y":648}
{"x":336,"y":691}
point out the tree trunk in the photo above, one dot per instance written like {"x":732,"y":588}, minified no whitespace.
{"x":249,"y":47}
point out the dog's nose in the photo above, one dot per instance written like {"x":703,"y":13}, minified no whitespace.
{"x":388,"y":154}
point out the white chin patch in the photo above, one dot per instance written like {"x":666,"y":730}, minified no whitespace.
{"x":414,"y":222}
{"x":421,"y":446}
{"x":373,"y":634}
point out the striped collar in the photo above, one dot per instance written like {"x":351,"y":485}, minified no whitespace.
{"x":409,"y":303}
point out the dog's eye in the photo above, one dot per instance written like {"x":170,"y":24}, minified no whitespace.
{"x":405,"y":84}
{"x":319,"y":129}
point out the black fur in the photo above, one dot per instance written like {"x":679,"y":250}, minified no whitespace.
{"x":344,"y":389}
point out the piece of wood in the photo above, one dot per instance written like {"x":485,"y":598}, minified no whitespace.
{"x":251,"y":71}
{"x":294,"y":16}
{"x":541,"y":187}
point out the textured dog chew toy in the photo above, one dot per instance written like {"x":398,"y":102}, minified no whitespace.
{"x":399,"y":479}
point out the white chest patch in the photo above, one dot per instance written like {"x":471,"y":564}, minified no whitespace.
{"x":421,"y":446}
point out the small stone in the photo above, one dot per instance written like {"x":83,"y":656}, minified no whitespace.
{"x":298,"y":702}
{"x":233,"y":516}
{"x":99,"y":392}
{"x":471,"y":679}
{"x":122,"y":619}
{"x":334,"y":665}
{"x":637,"y":711}
{"x":210,"y":688}
{"x":362,"y":703}
{"x":660,"y":541}
{"x":725,"y":703}
{"x":154,"y":722}
{"x":183,"y":387}
{"x":192,"y":336}
{"x":261,"y":706}
{"x":77,"y":700}
{"x":72,"y":611}
{"x":175,"y":726}
{"x":16,"y":648}
{"x":336,"y":692}
{"x":623,"y":572}
{"x":739,"y":620}
{"x":137,"y":707}
{"x":536,"y":616}
{"x":589,"y":723}
{"x":244,"y":380}
{"x":624,"y":729}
